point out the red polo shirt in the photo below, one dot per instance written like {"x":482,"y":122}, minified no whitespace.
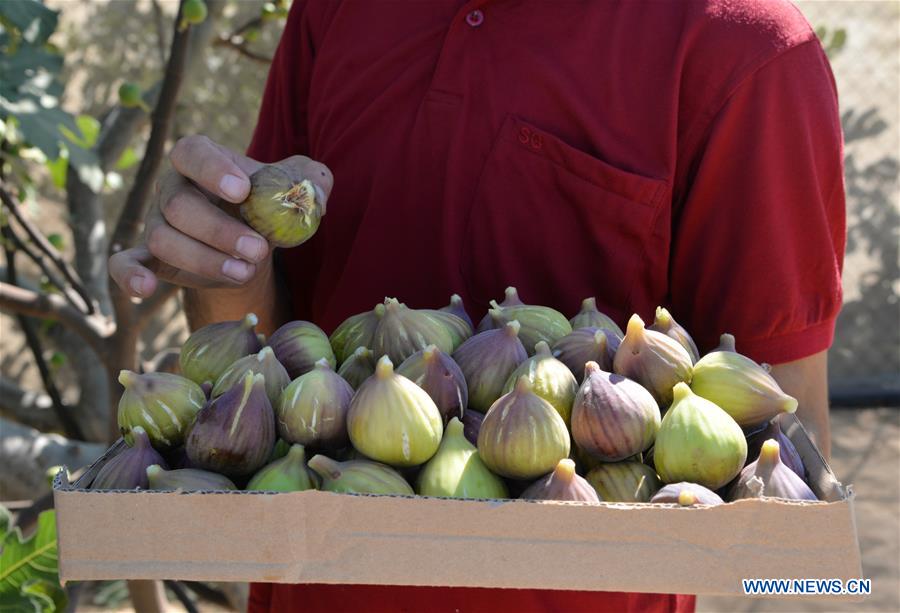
{"x":680,"y":153}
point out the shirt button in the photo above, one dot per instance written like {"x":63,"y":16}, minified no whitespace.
{"x":475,"y":18}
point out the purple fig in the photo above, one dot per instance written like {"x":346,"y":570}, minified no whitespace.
{"x":127,"y":470}
{"x":613,"y":417}
{"x":486,"y":360}
{"x":265,"y":363}
{"x":510,"y":298}
{"x":187,"y":479}
{"x":561,"y":484}
{"x":441,"y":378}
{"x":686,"y":494}
{"x":298,"y":345}
{"x":652,"y":359}
{"x":789,"y":454}
{"x":472,"y":425}
{"x":587,"y":345}
{"x":666,"y":324}
{"x":403,"y":331}
{"x":234,"y":434}
{"x":457,"y":307}
{"x":768,"y":476}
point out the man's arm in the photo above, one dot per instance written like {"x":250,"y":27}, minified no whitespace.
{"x":807,"y":381}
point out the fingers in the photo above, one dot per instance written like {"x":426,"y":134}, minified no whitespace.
{"x":190,"y":256}
{"x":187,"y":210}
{"x":216,"y":169}
{"x":129,"y":272}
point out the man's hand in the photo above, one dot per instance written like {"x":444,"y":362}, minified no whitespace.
{"x":807,"y":381}
{"x":193,"y":236}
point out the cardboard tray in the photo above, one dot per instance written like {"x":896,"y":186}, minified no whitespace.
{"x":322,"y":537}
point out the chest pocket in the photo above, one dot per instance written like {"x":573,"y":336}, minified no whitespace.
{"x":557,"y":223}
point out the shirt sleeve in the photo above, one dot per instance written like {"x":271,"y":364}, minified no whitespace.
{"x":281,"y":128}
{"x":759,"y":235}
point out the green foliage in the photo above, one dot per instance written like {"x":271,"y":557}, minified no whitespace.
{"x":29,"y":578}
{"x":30,"y":93}
{"x":832,"y":40}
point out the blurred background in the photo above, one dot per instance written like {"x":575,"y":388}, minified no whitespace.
{"x":79,"y":153}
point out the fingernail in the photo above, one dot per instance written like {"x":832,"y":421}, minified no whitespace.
{"x":137,"y":284}
{"x":234,"y":187}
{"x":250,"y":247}
{"x":236,"y":269}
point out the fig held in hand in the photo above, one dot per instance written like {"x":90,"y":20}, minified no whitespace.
{"x":285,"y":211}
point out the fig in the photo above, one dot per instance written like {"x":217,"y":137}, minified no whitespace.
{"x":312,"y":410}
{"x":288,"y":474}
{"x":359,"y":477}
{"x":358,"y":367}
{"x":768,"y":476}
{"x":486,"y":360}
{"x":539,"y":323}
{"x":590,"y":317}
{"x":741,"y":387}
{"x":652,"y":359}
{"x":211,"y":349}
{"x":666,"y":324}
{"x":613,"y":417}
{"x":522,"y":435}
{"x":163,"y":404}
{"x":698,"y":442}
{"x":587,"y":345}
{"x":436,"y":373}
{"x":234,"y":434}
{"x":624,"y":482}
{"x":511,"y":298}
{"x":298,"y":345}
{"x":187,"y":479}
{"x":550,"y":379}
{"x":789,"y":455}
{"x":457,"y":307}
{"x":686,"y":494}
{"x":472,"y":425}
{"x":279,"y":450}
{"x":285,"y":211}
{"x":562,"y":484}
{"x":393,"y":420}
{"x":403,"y":331}
{"x":456,"y":470}
{"x":354,"y":332}
{"x":264,"y":363}
{"x":127,"y":470}
{"x":458,"y":329}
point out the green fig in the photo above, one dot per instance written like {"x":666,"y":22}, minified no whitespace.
{"x":359,"y":477}
{"x":522,"y":435}
{"x":163,"y":404}
{"x":740,"y":386}
{"x":354,"y":332}
{"x":539,"y":323}
{"x":393,"y":420}
{"x":486,"y":360}
{"x":312,"y":410}
{"x":652,"y":359}
{"x":590,"y":317}
{"x":403,"y":331}
{"x":210,"y":350}
{"x":288,"y":474}
{"x":285,"y":211}
{"x":187,"y":479}
{"x":265,"y":363}
{"x":358,"y":367}
{"x":511,"y":298}
{"x":456,"y":470}
{"x":298,"y":345}
{"x":550,"y":379}
{"x":624,"y":482}
{"x":698,"y":442}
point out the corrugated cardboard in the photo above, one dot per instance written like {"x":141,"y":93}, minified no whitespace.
{"x":331,"y":538}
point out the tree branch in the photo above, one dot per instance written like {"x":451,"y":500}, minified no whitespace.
{"x":132,"y":217}
{"x":92,"y":328}
{"x":63,"y":412}
{"x":44,"y":245}
{"x":33,"y":409}
{"x":241,"y":48}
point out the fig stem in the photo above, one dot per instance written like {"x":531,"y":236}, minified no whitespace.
{"x":589,"y":305}
{"x":726,"y":343}
{"x":565,"y":470}
{"x":250,"y":320}
{"x":325,"y":467}
{"x":635,"y":326}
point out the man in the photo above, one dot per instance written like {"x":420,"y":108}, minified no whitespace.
{"x":678,"y":153}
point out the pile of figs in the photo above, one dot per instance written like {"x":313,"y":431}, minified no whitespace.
{"x":525,"y":404}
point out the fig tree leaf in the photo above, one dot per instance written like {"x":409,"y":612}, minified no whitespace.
{"x":29,"y":576}
{"x":32,"y":18}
